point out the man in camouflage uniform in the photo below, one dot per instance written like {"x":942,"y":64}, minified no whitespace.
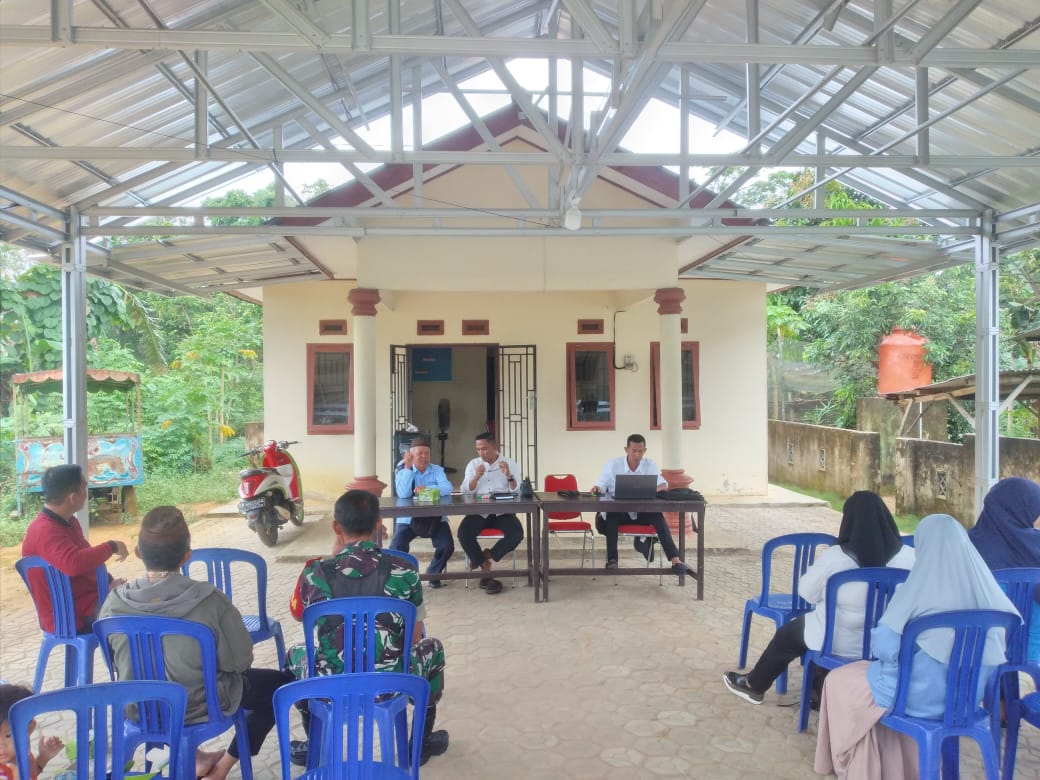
{"x":358,"y":567}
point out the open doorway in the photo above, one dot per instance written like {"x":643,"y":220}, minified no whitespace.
{"x":452,"y":392}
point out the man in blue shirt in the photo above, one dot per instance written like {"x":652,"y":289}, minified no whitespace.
{"x":416,"y":472}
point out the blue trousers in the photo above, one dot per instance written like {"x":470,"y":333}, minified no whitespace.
{"x":443,"y":544}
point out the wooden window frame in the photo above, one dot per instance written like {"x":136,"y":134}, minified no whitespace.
{"x":314,"y":429}
{"x":694,"y":347}
{"x":572,"y":395}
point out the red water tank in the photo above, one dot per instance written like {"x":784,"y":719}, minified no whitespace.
{"x":901,"y":363}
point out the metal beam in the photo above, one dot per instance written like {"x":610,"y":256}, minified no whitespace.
{"x":477,"y":46}
{"x":300,"y":22}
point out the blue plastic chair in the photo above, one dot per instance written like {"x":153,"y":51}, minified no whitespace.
{"x":880,"y":584}
{"x":908,"y":540}
{"x":781,"y":607}
{"x":406,"y":559}
{"x":217,"y":561}
{"x":143,"y":635}
{"x":99,"y":709}
{"x":358,"y":616}
{"x":937,"y":741}
{"x":79,"y":648}
{"x":352,"y":708}
{"x":1019,"y":584}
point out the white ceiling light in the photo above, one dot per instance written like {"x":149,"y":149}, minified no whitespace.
{"x":572,"y":218}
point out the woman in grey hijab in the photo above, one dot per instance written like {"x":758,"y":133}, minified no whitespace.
{"x":948,"y":575}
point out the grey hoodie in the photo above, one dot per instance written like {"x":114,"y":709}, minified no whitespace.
{"x":177,"y":596}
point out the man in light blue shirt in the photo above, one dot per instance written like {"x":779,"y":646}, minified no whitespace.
{"x":633,"y":462}
{"x":417,"y":472}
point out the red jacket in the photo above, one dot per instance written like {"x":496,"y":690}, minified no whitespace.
{"x":63,"y":546}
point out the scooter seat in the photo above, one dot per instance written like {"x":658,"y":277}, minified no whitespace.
{"x":254,"y":472}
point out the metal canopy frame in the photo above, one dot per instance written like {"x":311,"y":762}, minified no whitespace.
{"x":114,"y":113}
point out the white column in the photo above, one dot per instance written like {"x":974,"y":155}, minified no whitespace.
{"x":364,"y":311}
{"x":669,"y":307}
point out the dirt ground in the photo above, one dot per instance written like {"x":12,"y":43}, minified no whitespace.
{"x":11,"y":586}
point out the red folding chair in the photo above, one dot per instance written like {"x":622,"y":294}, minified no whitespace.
{"x":569,"y":522}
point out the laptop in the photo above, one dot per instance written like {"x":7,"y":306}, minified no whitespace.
{"x":635,"y":487}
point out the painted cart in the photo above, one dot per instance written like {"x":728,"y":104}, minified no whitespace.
{"x":114,"y":462}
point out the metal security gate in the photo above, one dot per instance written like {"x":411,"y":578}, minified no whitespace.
{"x":518,"y":408}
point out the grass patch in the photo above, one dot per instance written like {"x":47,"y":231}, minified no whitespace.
{"x":906,"y":523}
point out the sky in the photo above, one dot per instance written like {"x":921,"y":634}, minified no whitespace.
{"x":656,"y":129}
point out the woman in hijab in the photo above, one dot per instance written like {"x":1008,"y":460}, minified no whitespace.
{"x":1006,"y":538}
{"x":868,"y":537}
{"x":948,"y":575}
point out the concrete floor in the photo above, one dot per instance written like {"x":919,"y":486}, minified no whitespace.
{"x":605,"y":681}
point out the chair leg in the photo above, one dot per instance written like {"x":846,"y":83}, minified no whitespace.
{"x":745,"y":635}
{"x":71,"y":665}
{"x":279,"y":643}
{"x":781,"y":681}
{"x":807,"y":686}
{"x":41,"y":665}
{"x":245,"y":760}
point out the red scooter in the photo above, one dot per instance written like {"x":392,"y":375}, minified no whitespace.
{"x":272,"y":494}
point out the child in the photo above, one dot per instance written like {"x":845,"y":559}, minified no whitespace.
{"x":46,"y":749}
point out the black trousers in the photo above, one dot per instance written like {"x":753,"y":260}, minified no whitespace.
{"x":472,"y":525}
{"x":787,"y":644}
{"x":611,"y":521}
{"x":257,"y":692}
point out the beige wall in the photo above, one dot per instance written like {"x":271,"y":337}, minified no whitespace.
{"x":726,"y":455}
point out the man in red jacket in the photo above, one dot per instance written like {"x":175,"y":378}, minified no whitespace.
{"x":56,"y":536}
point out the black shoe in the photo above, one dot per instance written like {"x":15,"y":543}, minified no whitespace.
{"x":644,"y":545}
{"x":298,"y":752}
{"x":435,"y":744}
{"x":436,"y":584}
{"x":737,"y":684}
{"x":612,"y":563}
{"x":682,"y":568}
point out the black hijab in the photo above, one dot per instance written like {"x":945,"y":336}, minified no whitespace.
{"x":868,"y":533}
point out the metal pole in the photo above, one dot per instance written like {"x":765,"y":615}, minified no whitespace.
{"x":73,"y":344}
{"x":987,"y":360}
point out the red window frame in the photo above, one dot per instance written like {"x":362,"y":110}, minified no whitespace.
{"x":573,"y":424}
{"x":692,"y":347}
{"x":317,"y":429}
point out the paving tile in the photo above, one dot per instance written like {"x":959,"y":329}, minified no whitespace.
{"x":605,"y":681}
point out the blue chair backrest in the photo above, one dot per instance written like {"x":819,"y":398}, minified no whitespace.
{"x":143,"y":635}
{"x":218,"y":560}
{"x":804,"y":551}
{"x":100,"y":709}
{"x":37,"y":573}
{"x":969,"y":628}
{"x":908,"y":540}
{"x":361,"y":614}
{"x":880,"y":583}
{"x":352,"y":702}
{"x":1020,"y":585}
{"x":405,"y":559}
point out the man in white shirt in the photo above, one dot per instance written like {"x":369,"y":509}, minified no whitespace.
{"x":633,"y":462}
{"x":489,"y":472}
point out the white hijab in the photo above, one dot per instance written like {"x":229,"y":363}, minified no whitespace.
{"x":948,"y":574}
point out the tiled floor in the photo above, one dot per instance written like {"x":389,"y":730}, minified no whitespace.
{"x":605,"y":681}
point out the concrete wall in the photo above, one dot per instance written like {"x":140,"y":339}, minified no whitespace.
{"x":937,"y":477}
{"x":726,"y":455}
{"x":883,"y":417}
{"x":823,"y":458}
